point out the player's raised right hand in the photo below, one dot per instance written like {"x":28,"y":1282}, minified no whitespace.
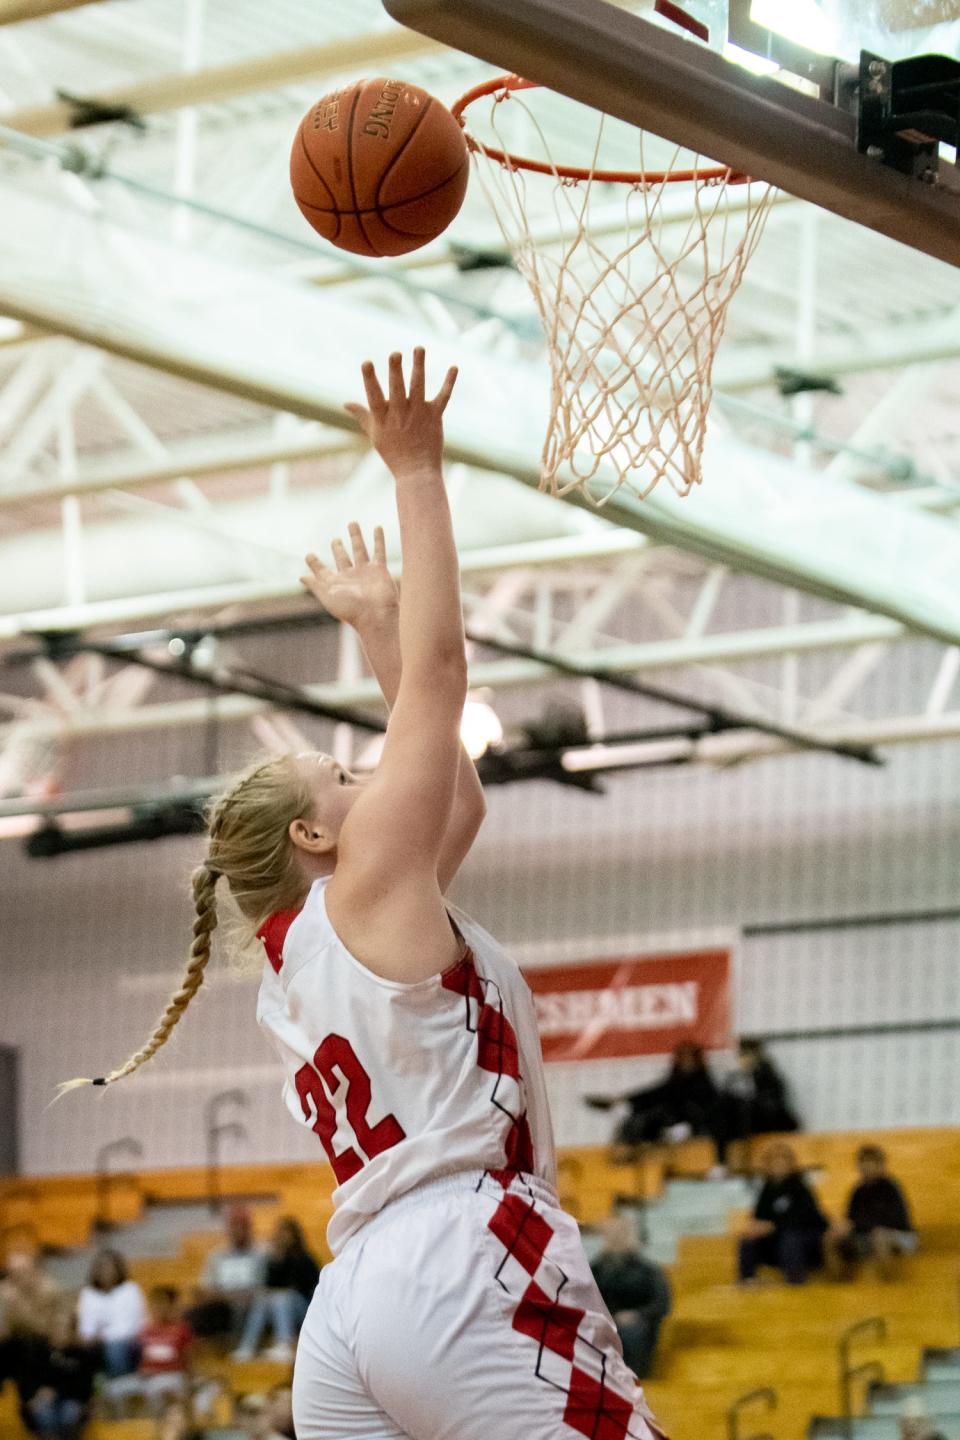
{"x":404,"y":427}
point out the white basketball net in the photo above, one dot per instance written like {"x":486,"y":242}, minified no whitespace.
{"x":632,"y":280}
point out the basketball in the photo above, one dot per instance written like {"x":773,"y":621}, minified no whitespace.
{"x":379,"y":168}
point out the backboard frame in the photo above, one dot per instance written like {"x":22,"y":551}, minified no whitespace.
{"x":612,"y":60}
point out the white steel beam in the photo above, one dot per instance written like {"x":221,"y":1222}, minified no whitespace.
{"x":509,"y":674}
{"x":224,"y":82}
{"x":736,"y":747}
{"x":194,"y":458}
{"x":86,"y":279}
{"x":560,"y":550}
{"x":889,"y":348}
{"x":896,"y":412}
{"x":730,"y":748}
{"x":946,"y":679}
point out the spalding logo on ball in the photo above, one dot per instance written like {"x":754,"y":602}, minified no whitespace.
{"x":379,"y":168}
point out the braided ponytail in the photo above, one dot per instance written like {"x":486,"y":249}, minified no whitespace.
{"x":204,"y":882}
{"x":250,"y":846}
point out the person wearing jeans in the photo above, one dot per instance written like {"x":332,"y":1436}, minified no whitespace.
{"x":291,"y":1279}
{"x":111,"y":1312}
{"x":787,"y":1228}
{"x":58,"y":1408}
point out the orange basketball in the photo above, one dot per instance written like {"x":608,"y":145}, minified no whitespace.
{"x":379,"y":168}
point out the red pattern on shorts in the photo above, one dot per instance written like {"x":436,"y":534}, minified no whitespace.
{"x":591,"y":1406}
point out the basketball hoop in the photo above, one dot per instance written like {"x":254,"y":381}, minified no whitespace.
{"x":633,"y":296}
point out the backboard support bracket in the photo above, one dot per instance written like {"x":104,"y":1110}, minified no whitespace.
{"x":907,"y":110}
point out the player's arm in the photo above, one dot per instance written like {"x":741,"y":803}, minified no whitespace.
{"x":361,"y":592}
{"x":386,"y":879}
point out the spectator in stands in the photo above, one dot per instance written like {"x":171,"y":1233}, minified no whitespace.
{"x":280,"y":1410}
{"x":267,"y":1417}
{"x":176,"y":1422}
{"x":915,"y":1423}
{"x":57,"y":1410}
{"x":680,"y":1106}
{"x":753,"y":1100}
{"x":282,"y":1301}
{"x":165,"y":1351}
{"x":111,"y":1312}
{"x":877,"y":1224}
{"x":29,"y":1298}
{"x":634,"y":1290}
{"x":788,"y":1226}
{"x":29,"y":1303}
{"x":231,"y":1278}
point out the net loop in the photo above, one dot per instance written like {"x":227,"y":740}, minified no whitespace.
{"x":632,"y":292}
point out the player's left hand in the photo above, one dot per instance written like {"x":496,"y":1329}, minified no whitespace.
{"x":360,"y":589}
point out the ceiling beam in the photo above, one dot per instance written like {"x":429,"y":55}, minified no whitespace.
{"x":908,"y":342}
{"x":603,"y":543}
{"x":224,"y":82}
{"x":735,"y":747}
{"x":843,"y":543}
{"x":656,"y":655}
{"x":229,"y":454}
{"x":13,"y":11}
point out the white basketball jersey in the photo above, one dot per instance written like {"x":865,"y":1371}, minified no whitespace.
{"x":403,"y":1083}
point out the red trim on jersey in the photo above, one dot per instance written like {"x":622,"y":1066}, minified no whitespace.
{"x":273,"y":932}
{"x":497,"y":1052}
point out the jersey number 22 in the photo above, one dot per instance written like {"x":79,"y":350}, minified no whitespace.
{"x":337,"y":1066}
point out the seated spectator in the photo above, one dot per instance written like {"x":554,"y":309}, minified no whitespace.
{"x":58,"y":1408}
{"x":111,"y":1312}
{"x":291,"y":1279}
{"x":915,"y":1423}
{"x":231,"y":1277}
{"x":29,"y":1304}
{"x":176,"y":1422}
{"x":753,"y":1100}
{"x":680,"y":1106}
{"x":788,"y":1226}
{"x":877,"y":1224}
{"x":165,"y":1351}
{"x":267,"y":1417}
{"x":634,"y":1290}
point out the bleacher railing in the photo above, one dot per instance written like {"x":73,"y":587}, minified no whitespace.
{"x":766,"y":1395}
{"x":850,"y":1374}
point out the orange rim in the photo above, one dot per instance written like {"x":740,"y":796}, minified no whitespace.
{"x":503,"y":86}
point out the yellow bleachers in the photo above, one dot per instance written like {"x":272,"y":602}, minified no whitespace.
{"x":720,"y":1341}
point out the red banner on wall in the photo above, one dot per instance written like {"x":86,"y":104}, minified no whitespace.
{"x":633,"y":1006}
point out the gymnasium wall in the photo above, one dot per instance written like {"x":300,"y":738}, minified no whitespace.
{"x":92,"y":943}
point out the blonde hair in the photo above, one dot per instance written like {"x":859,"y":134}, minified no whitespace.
{"x":249,"y":844}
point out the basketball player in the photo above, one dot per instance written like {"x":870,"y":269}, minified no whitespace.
{"x":459,"y":1305}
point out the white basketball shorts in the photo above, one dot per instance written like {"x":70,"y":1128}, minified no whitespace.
{"x":462,"y":1311}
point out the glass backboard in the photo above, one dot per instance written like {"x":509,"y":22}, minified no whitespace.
{"x":894,"y":29}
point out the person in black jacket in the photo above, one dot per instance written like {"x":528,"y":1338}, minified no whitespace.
{"x":634,"y":1290}
{"x":787,"y":1227}
{"x":291,"y":1279}
{"x":753,"y":1100}
{"x":58,"y":1408}
{"x":877,"y":1225}
{"x":683,"y":1102}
